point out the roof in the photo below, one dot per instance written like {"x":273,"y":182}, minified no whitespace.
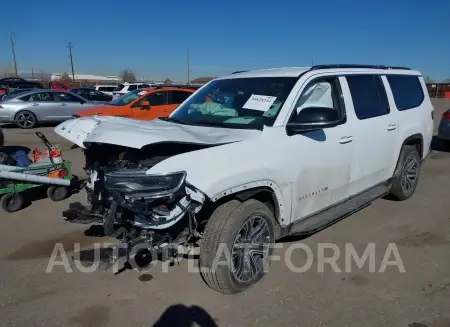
{"x":297,"y":71}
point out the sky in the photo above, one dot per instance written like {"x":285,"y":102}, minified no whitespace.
{"x":151,"y":37}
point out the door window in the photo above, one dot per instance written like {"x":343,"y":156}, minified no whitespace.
{"x":41,"y":97}
{"x":368,"y":95}
{"x":177,"y":97}
{"x":132,"y":87}
{"x":156,"y":98}
{"x":323,"y":92}
{"x":66,"y":97}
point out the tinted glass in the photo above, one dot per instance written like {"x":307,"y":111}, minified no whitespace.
{"x":178,"y":97}
{"x":41,"y":97}
{"x":407,"y":91}
{"x":157,"y":98}
{"x":368,"y":95}
{"x":119,"y":88}
{"x":132,"y":87}
{"x":66,"y":97}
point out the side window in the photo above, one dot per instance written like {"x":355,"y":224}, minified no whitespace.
{"x":368,"y":95}
{"x":41,"y":97}
{"x":66,"y":97}
{"x":407,"y":91}
{"x":157,"y":98}
{"x":177,"y":97}
{"x":132,"y":87}
{"x":323,"y":92}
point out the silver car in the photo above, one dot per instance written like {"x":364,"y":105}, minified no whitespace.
{"x":29,"y":108}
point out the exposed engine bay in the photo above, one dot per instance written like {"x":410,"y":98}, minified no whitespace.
{"x":135,"y":207}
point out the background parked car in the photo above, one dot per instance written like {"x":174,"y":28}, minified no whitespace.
{"x":58,"y":86}
{"x":107,"y":89}
{"x":18,"y":83}
{"x":444,"y":127}
{"x":124,"y":88}
{"x":143,"y":104}
{"x":92,"y":94}
{"x":27,"y":109}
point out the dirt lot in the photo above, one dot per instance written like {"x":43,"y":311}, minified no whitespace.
{"x":420,"y":229}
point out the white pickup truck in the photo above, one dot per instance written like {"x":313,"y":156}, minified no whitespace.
{"x":255,"y":156}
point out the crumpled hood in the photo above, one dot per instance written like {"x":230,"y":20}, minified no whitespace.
{"x":136,"y":134}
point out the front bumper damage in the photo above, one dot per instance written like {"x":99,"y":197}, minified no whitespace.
{"x":149,"y":222}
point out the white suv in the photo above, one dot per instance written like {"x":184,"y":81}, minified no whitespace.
{"x":107,"y":89}
{"x":126,"y":87}
{"x":252,"y":157}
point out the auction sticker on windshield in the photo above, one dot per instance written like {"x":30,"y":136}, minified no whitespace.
{"x":259,"y":102}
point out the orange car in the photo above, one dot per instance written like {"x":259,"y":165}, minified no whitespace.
{"x":142,"y":104}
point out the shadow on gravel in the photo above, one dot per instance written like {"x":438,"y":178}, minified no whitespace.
{"x":182,"y":316}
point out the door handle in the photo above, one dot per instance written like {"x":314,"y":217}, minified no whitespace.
{"x":345,"y":139}
{"x":391,"y":127}
{"x":35,"y":104}
{"x":64,"y":104}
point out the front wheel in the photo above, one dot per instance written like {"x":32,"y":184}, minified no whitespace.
{"x":237,"y":245}
{"x":12,"y":202}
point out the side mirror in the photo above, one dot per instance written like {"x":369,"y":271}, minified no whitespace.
{"x":145,"y":105}
{"x":314,"y":118}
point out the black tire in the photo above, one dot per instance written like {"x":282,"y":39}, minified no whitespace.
{"x":58,"y":193}
{"x":25,"y":119}
{"x":408,"y":156}
{"x":12,"y":202}
{"x":222,"y":229}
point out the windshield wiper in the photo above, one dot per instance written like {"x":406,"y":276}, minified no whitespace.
{"x":174,"y":120}
{"x":209,"y":123}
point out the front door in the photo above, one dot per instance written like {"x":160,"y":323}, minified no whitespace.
{"x":324,"y":156}
{"x":68,"y":104}
{"x":158,"y":105}
{"x":376,"y":131}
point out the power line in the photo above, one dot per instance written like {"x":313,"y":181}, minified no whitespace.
{"x":13,"y":53}
{"x":71,"y":60}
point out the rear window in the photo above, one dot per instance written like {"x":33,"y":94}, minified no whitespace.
{"x":407,"y":91}
{"x":119,"y":87}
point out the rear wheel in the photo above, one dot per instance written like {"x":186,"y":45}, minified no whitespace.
{"x":58,"y":193}
{"x":237,"y":245}
{"x":25,"y":119}
{"x":406,"y":176}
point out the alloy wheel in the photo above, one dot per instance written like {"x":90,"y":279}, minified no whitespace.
{"x":410,"y":174}
{"x":26,"y":120}
{"x":250,"y":249}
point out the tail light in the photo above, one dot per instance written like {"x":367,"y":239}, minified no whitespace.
{"x":446,"y":115}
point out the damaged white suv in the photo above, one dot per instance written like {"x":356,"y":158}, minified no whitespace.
{"x":252,"y":157}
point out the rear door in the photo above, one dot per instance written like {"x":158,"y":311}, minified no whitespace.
{"x":175,"y":99}
{"x":376,"y":132}
{"x":159,"y":105}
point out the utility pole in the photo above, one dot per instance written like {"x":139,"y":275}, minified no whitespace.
{"x":188,"y":62}
{"x":13,"y":52}
{"x":32,"y":73}
{"x":71,"y":61}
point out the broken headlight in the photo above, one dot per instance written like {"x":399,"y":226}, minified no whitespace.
{"x":137,"y":182}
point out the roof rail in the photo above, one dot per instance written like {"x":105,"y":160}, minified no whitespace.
{"x":239,"y":71}
{"x":357,"y":66}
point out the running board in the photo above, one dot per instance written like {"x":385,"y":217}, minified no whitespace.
{"x":327,"y":217}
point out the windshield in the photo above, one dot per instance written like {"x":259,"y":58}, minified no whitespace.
{"x":237,"y":102}
{"x":128,"y":97}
